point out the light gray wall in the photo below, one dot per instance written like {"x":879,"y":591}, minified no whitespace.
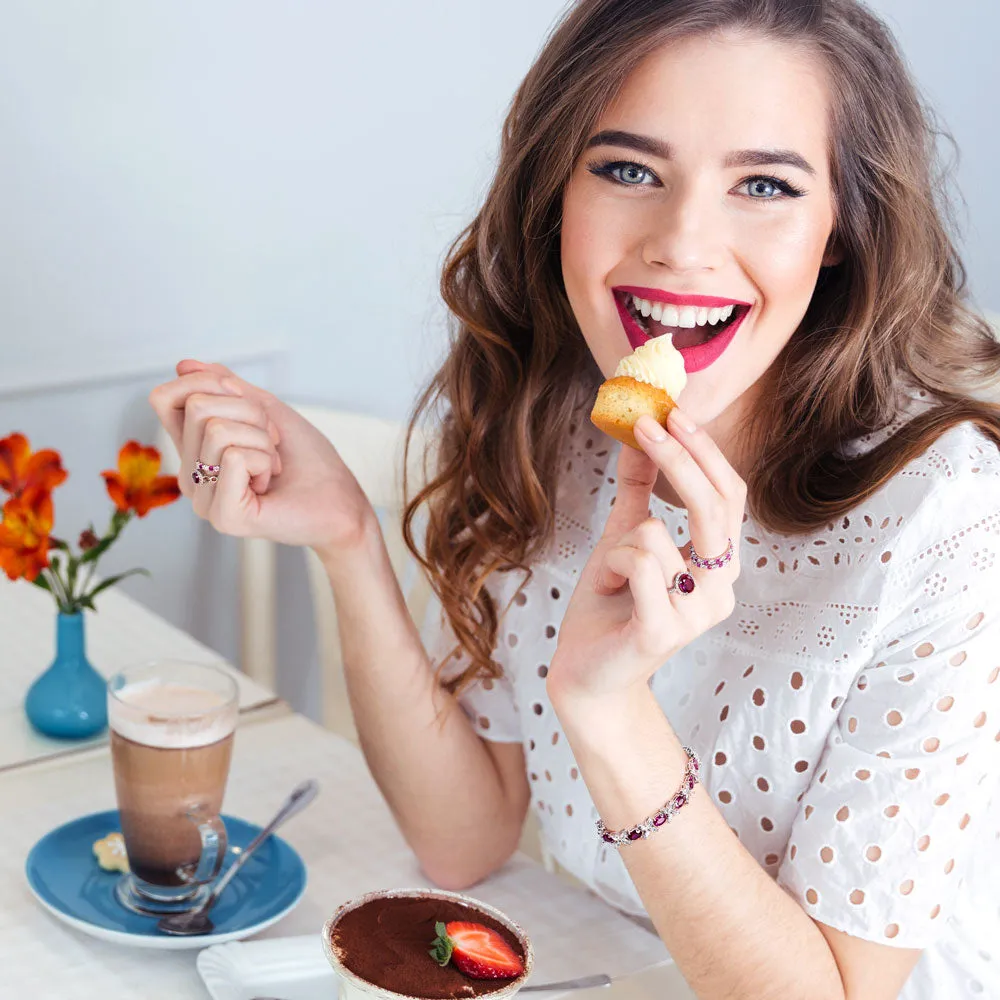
{"x":951,"y":47}
{"x":275,"y":184}
{"x":269,"y":183}
{"x":187,"y":176}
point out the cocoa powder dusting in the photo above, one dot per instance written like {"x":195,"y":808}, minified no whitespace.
{"x":387,"y":941}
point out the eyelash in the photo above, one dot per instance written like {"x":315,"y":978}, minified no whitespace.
{"x":607,"y":168}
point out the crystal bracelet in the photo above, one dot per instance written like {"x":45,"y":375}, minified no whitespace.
{"x":662,"y":815}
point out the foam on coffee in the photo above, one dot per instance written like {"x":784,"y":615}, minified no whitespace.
{"x":157,"y":713}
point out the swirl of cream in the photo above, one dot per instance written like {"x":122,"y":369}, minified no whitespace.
{"x":658,"y":363}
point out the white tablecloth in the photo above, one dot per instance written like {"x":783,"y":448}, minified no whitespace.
{"x":347,"y":839}
{"x":120,"y":634}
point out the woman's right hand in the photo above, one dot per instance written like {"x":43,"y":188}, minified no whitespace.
{"x":280,"y":478}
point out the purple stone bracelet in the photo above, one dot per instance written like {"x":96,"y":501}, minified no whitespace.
{"x":663,"y":815}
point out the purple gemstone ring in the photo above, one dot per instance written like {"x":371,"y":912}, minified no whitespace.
{"x":683,"y":584}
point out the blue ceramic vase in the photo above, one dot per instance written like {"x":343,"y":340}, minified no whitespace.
{"x":70,"y":699}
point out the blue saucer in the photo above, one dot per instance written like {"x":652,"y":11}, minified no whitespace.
{"x":64,"y":876}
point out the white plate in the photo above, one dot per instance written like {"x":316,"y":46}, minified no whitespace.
{"x":293,"y":968}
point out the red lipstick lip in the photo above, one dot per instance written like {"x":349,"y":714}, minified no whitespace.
{"x":695,"y":358}
{"x":701,"y":301}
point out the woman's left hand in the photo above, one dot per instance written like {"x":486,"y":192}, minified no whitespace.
{"x":622,"y":625}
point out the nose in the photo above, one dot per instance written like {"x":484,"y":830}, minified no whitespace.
{"x":685,"y":232}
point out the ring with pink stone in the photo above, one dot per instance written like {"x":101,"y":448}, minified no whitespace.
{"x":204,"y":473}
{"x":716,"y":562}
{"x":683,"y":583}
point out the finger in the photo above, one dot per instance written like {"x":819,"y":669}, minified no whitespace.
{"x":231,"y":385}
{"x":188,"y":365}
{"x":235,"y":506}
{"x":636,"y":478}
{"x":230,"y":382}
{"x":200,"y":407}
{"x":221,"y":434}
{"x":708,"y":455}
{"x":238,"y":386}
{"x":651,"y":536}
{"x":712,"y":517}
{"x":168,"y":401}
{"x":644,"y":575}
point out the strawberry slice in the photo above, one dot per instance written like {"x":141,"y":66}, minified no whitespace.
{"x":477,"y":951}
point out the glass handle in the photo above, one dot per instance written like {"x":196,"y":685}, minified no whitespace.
{"x":213,"y":844}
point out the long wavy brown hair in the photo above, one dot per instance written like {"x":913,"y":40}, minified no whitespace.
{"x":892,"y":311}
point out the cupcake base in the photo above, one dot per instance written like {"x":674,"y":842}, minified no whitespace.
{"x":620,"y":403}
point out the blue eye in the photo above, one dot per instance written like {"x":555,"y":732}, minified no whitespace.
{"x":762,"y":189}
{"x":630,"y":173}
{"x":625,"y":172}
{"x":769,"y":189}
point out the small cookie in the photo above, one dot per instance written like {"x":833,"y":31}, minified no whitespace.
{"x":110,"y":853}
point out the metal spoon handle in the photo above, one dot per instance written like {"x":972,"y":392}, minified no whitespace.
{"x":583,"y":983}
{"x":300,"y":797}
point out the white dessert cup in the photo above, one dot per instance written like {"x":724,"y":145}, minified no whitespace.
{"x":353,"y":987}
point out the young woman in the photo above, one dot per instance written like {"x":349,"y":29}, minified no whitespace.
{"x":837,"y":676}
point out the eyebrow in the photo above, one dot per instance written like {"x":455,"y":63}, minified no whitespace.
{"x":738,"y":158}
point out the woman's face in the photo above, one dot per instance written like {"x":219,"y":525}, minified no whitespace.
{"x":705,"y":191}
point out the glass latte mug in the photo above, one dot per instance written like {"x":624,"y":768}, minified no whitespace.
{"x":172,"y":729}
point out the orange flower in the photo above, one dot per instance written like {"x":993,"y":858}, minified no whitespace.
{"x":20,"y":470}
{"x":136,"y":485}
{"x":24,"y":534}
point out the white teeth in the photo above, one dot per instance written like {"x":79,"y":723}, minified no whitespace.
{"x":682,"y":316}
{"x":687,"y":317}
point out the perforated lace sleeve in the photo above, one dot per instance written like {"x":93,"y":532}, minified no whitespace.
{"x":491,"y":705}
{"x":896,"y":811}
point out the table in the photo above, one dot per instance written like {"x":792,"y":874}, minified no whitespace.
{"x":347,"y":838}
{"x":120,"y":634}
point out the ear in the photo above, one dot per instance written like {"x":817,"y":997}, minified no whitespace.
{"x":834,"y":253}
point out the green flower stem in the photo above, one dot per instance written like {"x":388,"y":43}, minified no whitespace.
{"x":58,"y":589}
{"x":91,"y":569}
{"x":69,"y":598}
{"x":72,"y":565}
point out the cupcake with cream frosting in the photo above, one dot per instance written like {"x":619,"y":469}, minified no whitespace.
{"x":647,"y":381}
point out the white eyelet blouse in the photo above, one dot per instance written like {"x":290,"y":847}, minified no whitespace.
{"x":847,"y":713}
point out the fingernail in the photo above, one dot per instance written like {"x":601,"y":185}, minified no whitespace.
{"x":683,"y":421}
{"x":230,"y":386}
{"x":650,"y":429}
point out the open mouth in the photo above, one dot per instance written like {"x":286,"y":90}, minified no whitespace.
{"x":700,"y":327}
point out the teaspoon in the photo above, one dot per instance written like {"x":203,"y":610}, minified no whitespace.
{"x":197,"y":921}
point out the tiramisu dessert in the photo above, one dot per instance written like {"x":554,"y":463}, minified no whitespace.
{"x":426,"y":945}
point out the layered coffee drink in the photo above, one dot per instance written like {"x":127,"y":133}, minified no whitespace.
{"x":171,"y":741}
